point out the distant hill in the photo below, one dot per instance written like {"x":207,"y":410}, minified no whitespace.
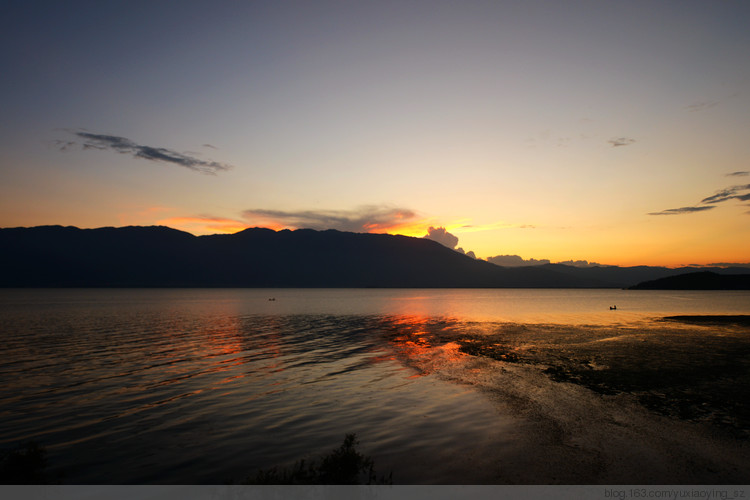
{"x":703,"y":280}
{"x":615,"y":276}
{"x":156,"y":256}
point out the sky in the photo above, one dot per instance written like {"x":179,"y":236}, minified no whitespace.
{"x":615,"y":132}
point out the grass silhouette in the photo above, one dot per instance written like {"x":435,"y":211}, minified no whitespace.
{"x":344,"y":465}
{"x":24,"y":465}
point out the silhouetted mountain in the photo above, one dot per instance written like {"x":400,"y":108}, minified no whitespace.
{"x":623,"y":277}
{"x":703,"y":280}
{"x":56,"y":256}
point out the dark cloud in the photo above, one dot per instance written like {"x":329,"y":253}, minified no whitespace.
{"x":740,"y":192}
{"x":515,"y":261}
{"x":209,"y":146}
{"x":518,"y":261}
{"x":730,"y":193}
{"x":700,"y":106}
{"x":64,"y":145}
{"x":621,"y":141}
{"x":719,"y":197}
{"x":682,"y":210}
{"x":738,"y":174}
{"x":442,"y":236}
{"x":363,"y":220}
{"x":580,"y":263}
{"x":123,"y":145}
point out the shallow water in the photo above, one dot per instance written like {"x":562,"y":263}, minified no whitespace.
{"x":441,"y":386}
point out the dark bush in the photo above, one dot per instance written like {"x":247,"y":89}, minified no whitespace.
{"x":344,"y":465}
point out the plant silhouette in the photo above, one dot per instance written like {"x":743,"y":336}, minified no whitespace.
{"x":24,"y":465}
{"x":344,"y":465}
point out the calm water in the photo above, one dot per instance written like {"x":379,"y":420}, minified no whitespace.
{"x":440,"y":386}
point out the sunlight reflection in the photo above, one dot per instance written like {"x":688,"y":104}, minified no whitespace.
{"x":223,"y":335}
{"x":419,"y":342}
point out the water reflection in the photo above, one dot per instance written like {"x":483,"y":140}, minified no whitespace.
{"x":419,"y":341}
{"x":102,"y":385}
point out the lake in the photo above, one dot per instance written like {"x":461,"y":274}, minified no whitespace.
{"x":445,"y":386}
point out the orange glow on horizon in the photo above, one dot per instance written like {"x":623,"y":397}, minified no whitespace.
{"x":618,"y":250}
{"x":421,"y":228}
{"x":204,"y":225}
{"x":213,"y":225}
{"x":407,"y":228}
{"x":401,"y":223}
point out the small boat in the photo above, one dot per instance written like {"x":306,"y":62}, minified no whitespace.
{"x":612,"y":308}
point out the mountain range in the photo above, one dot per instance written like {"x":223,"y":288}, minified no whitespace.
{"x":700,"y":280}
{"x":157,"y":256}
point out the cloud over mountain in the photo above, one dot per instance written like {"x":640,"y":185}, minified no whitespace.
{"x":515,"y":261}
{"x":579,"y":263}
{"x":442,"y":236}
{"x":365,"y":219}
{"x":518,"y":261}
{"x":124,"y":145}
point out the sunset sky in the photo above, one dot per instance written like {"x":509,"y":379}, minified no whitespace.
{"x":615,"y":132}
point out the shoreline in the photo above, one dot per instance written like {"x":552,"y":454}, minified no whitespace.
{"x":687,"y":373}
{"x":709,"y":319}
{"x":585,"y":436}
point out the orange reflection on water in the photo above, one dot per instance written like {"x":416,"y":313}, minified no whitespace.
{"x":271,"y":345}
{"x":230,"y":343}
{"x":223,"y":336}
{"x":418,"y":343}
